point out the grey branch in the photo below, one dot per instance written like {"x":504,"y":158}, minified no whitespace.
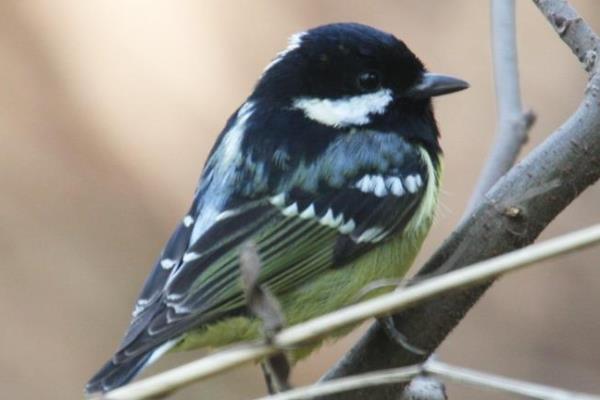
{"x":573,"y":30}
{"x":515,"y":211}
{"x":513,"y":123}
{"x":324,"y":325}
{"x":422,"y":387}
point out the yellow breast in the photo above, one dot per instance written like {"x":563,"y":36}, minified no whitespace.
{"x":339,"y":287}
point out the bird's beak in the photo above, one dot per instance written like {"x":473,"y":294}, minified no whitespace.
{"x":436,"y":85}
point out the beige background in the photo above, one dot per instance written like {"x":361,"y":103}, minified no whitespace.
{"x":107,"y":112}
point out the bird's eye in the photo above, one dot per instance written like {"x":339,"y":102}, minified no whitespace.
{"x":368,"y":81}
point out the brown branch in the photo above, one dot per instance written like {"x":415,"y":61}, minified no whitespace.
{"x":514,"y":213}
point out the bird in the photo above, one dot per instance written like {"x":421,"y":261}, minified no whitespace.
{"x":331,"y":168}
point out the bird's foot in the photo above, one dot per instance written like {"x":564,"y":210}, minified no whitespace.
{"x":396,"y":336}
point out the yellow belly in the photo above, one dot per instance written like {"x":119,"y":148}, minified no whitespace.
{"x":334,"y":289}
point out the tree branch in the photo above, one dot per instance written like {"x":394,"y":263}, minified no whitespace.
{"x":343,"y":385}
{"x":516,"y":210}
{"x":503,"y":384}
{"x":315,"y":328}
{"x":573,"y":30}
{"x":513,"y":124}
{"x":440,"y":370}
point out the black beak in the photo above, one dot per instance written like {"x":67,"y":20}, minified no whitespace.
{"x":436,"y":85}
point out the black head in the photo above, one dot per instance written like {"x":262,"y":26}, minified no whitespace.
{"x":346,"y":59}
{"x":348,"y":75}
{"x":341,"y":60}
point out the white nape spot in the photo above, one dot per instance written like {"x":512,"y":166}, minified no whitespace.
{"x":188,"y":220}
{"x":294,"y":42}
{"x":380,"y":189}
{"x":345,"y":111}
{"x":167,"y":263}
{"x":411,"y":184}
{"x":418,"y":180}
{"x":279,"y":200}
{"x":365,"y":184}
{"x":290,"y":211}
{"x":370,"y":235}
{"x":329,"y":220}
{"x":190,"y":256}
{"x":347,"y":227}
{"x":309,"y":212}
{"x":233,"y":138}
{"x":394,"y":184}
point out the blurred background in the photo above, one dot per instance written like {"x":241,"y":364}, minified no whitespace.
{"x":108,"y":110}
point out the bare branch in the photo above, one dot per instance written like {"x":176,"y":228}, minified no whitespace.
{"x":433,"y":368}
{"x":503,"y":384}
{"x":573,"y":30}
{"x":514,"y":213}
{"x":484,"y":271}
{"x":350,"y":383}
{"x":513,"y":124}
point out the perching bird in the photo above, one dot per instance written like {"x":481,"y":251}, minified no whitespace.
{"x":331,"y":167}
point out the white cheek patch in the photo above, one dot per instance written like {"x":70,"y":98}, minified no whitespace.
{"x":346,"y":111}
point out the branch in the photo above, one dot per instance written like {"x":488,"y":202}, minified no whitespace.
{"x":573,"y":30}
{"x":342,"y":385}
{"x":440,"y":370}
{"x":516,"y":210}
{"x":319,"y":327}
{"x":501,"y":383}
{"x":513,"y":124}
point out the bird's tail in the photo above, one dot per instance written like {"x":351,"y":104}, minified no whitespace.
{"x":112,"y":375}
{"x":115,"y":374}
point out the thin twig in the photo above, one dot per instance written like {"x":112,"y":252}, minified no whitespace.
{"x":501,"y":383}
{"x":513,"y":123}
{"x":440,"y":370}
{"x":382,"y":305}
{"x":264,"y":306}
{"x":350,"y":383}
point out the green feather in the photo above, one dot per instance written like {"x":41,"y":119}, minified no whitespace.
{"x":303,"y":298}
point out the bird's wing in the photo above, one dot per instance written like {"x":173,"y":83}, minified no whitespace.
{"x":298,"y":234}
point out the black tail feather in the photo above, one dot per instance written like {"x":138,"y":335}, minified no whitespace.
{"x":113,"y":375}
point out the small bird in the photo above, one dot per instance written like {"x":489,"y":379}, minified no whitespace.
{"x":331,"y":168}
